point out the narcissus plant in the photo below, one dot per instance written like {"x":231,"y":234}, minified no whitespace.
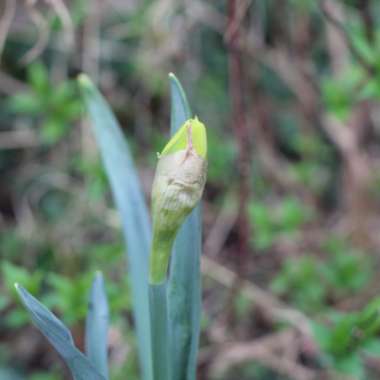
{"x":166,"y":303}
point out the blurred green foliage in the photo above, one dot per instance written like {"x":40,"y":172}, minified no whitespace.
{"x":52,"y":107}
{"x":349,"y":337}
{"x":273,"y":222}
{"x":312,"y":284}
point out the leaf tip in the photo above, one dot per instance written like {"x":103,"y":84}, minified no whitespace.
{"x":174,"y":79}
{"x":84,"y":81}
{"x":19,"y":289}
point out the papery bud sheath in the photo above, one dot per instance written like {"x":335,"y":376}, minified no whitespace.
{"x":177,"y":187}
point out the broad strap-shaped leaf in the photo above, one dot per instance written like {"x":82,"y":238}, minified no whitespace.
{"x":59,"y":336}
{"x":130,"y":202}
{"x":161,"y":355}
{"x":180,"y":109}
{"x":97,"y":326}
{"x":184,"y":294}
{"x":9,"y":373}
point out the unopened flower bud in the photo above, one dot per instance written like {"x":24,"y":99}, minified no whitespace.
{"x":178,"y":186}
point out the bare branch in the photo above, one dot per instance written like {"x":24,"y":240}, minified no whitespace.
{"x":43,"y":33}
{"x":269,"y":351}
{"x":258,"y":296}
{"x":328,"y":13}
{"x":5,"y":22}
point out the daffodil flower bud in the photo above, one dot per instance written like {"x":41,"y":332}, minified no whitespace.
{"x":177,"y":187}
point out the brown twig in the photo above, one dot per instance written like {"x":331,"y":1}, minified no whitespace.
{"x":221,"y":228}
{"x":66,"y":38}
{"x":336,"y":42}
{"x":10,"y":85}
{"x":368,"y":20}
{"x":326,"y":10}
{"x":5,"y":22}
{"x":270,"y":351}
{"x":43,"y":33}
{"x":17,"y":139}
{"x":239,"y":123}
{"x":265,"y":300}
{"x":90,"y":65}
{"x":64,"y":15}
{"x":236,"y":20}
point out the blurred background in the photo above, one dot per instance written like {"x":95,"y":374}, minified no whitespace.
{"x":290,"y":93}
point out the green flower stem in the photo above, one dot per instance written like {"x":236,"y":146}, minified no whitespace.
{"x":159,"y":257}
{"x":177,"y":188}
{"x":160,"y":332}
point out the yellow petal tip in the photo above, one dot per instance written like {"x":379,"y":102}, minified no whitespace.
{"x":182,"y":138}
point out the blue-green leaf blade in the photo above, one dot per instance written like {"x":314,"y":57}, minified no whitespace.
{"x":97,"y":326}
{"x":184,"y":293}
{"x":180,"y":109}
{"x":10,"y":374}
{"x":161,"y":358}
{"x":130,"y":202}
{"x":59,"y":336}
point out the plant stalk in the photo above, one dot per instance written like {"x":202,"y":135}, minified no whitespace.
{"x":159,"y":331}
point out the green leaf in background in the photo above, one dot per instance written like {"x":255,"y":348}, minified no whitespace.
{"x":97,"y":326}
{"x":59,"y":336}
{"x":10,"y":374}
{"x":38,"y":77}
{"x":353,"y":366}
{"x":130,"y":202}
{"x":184,"y":299}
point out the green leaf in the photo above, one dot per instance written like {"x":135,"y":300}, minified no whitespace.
{"x":38,"y":77}
{"x":52,"y":130}
{"x":10,"y":374}
{"x":26,"y":103}
{"x":351,"y":365}
{"x":130,"y":202}
{"x":97,"y":326}
{"x":160,"y":332}
{"x":180,"y":110}
{"x":59,"y":336}
{"x":184,"y":299}
{"x":11,"y":274}
{"x":372,"y":347}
